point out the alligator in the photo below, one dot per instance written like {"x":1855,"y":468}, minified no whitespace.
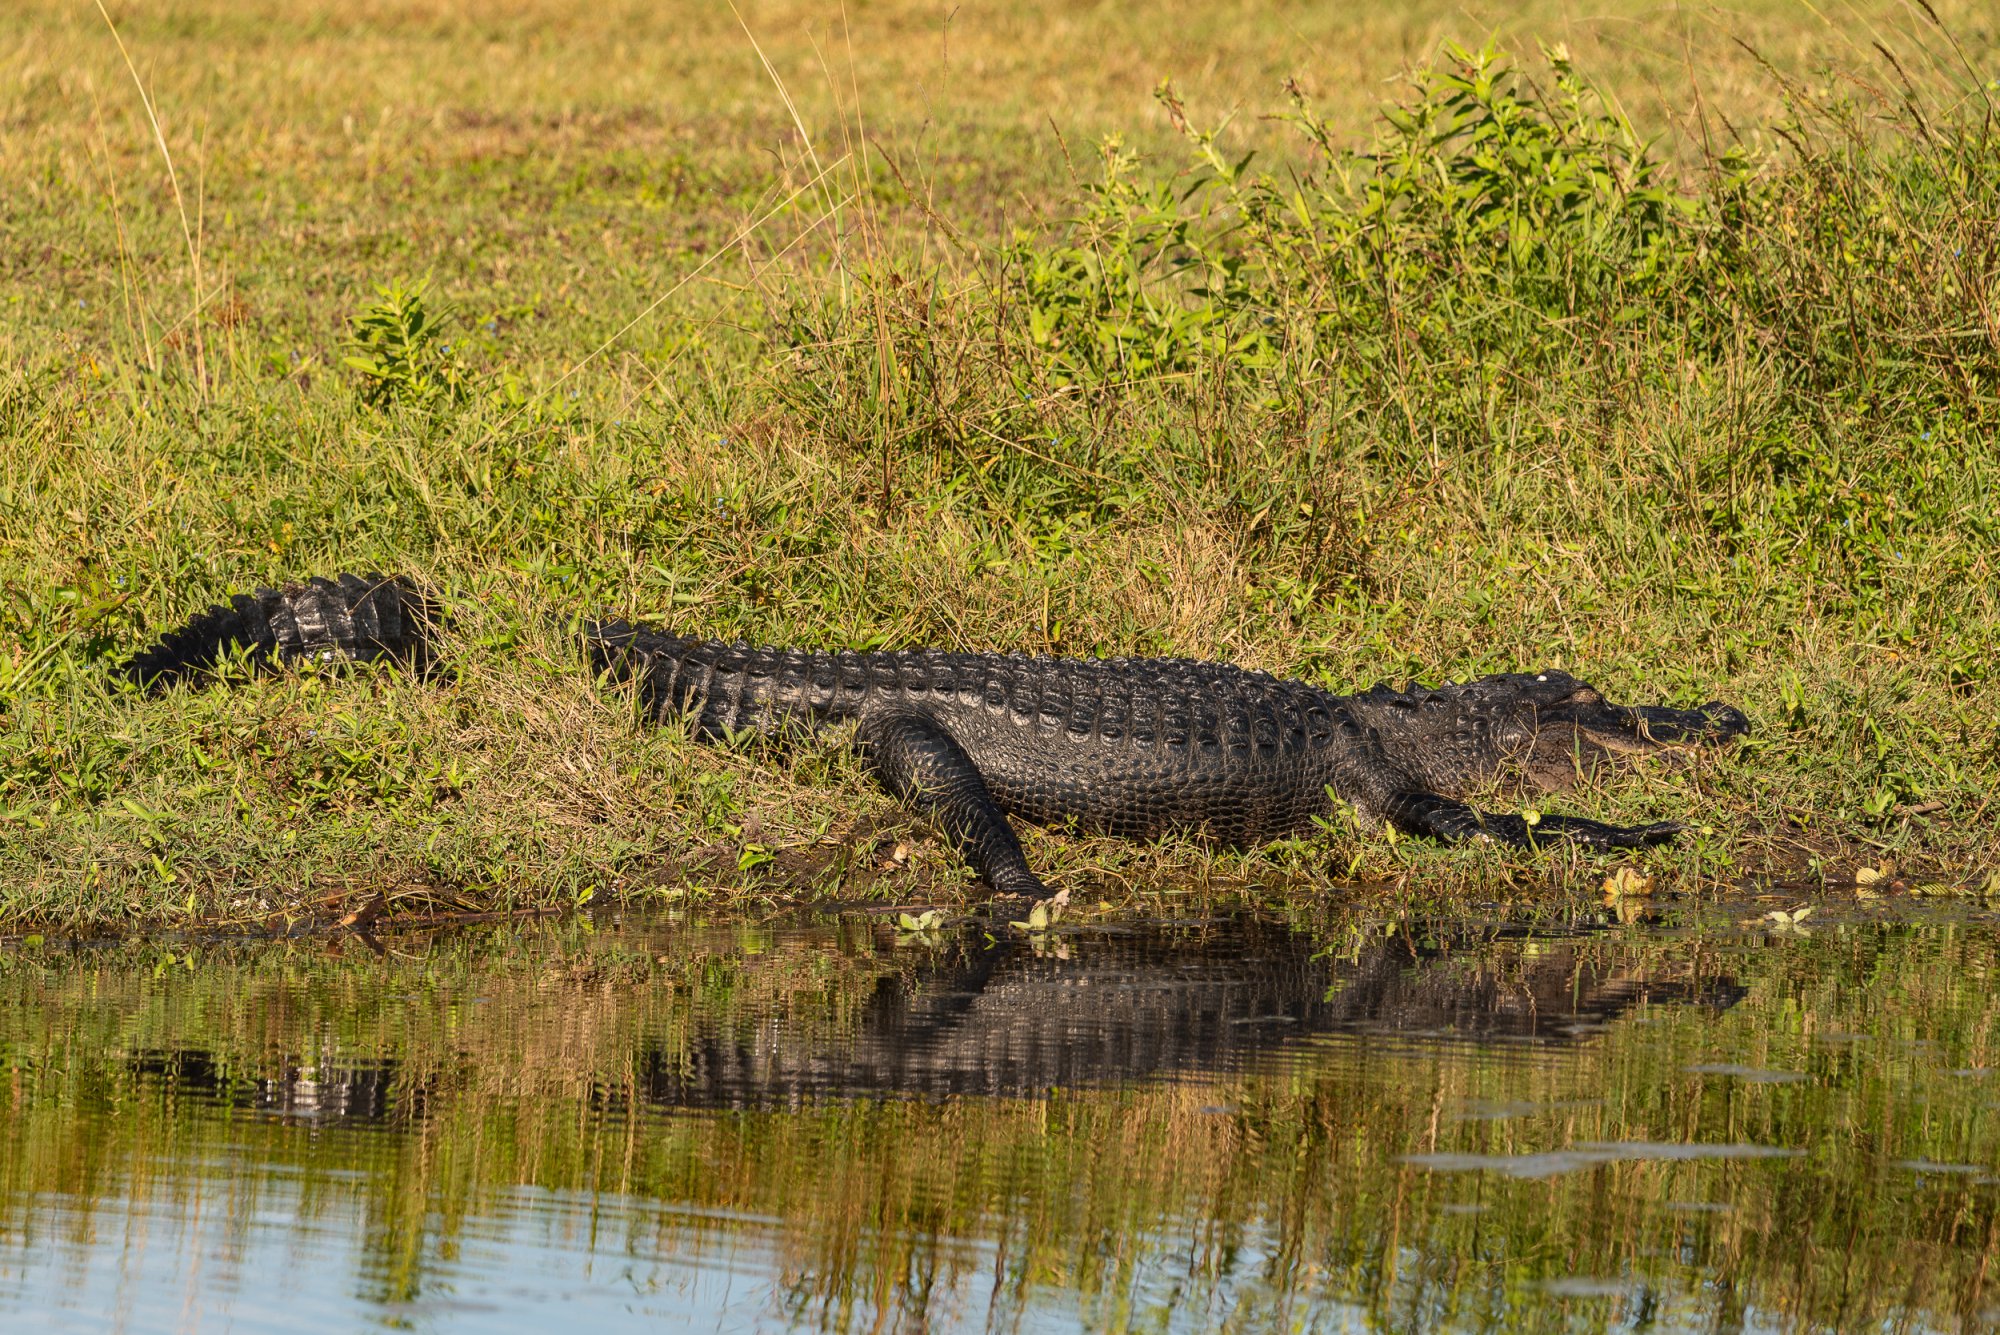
{"x":1005,"y":1017}
{"x":980,"y":1016}
{"x":1132,"y":747}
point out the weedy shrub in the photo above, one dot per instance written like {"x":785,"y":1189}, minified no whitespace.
{"x":1509,"y":268}
{"x":1137,"y":287}
{"x":397,"y":345}
{"x":1487,"y":207}
{"x":899,"y":370}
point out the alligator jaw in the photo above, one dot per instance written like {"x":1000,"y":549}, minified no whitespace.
{"x":1637,"y":729}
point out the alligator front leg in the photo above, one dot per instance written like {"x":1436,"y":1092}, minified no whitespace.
{"x":918,"y":761}
{"x":1451,"y":821}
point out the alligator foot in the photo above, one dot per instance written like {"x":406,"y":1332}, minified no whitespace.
{"x":918,"y":761}
{"x":1451,"y":821}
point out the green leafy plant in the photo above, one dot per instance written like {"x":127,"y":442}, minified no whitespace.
{"x":1040,"y":918}
{"x":1485,"y":197}
{"x":1137,"y":289}
{"x":398,"y":348}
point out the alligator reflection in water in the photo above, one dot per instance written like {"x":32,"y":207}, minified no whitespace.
{"x":978,"y":1016}
{"x":1009,"y":1018}
{"x":369,"y":1092}
{"x":727,"y":1123}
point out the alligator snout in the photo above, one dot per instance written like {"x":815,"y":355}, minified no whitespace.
{"x":1649,"y":726}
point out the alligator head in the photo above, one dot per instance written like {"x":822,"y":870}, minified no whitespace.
{"x":1545,"y":729}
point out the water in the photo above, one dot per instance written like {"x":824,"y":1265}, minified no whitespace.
{"x":1342,"y":1123}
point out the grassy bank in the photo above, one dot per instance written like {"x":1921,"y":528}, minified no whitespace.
{"x":1559,"y":364}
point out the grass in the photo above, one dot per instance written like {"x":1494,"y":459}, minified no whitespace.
{"x":973,"y":333}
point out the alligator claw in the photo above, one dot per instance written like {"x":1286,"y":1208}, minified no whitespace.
{"x":1449,"y":820}
{"x":1577,"y":830}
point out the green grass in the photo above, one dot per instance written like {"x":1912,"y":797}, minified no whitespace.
{"x":567,"y":312}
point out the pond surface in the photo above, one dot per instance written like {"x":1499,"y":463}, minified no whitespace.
{"x":1344,"y":1122}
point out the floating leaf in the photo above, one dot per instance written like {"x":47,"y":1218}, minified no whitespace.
{"x":361,"y":918}
{"x":1627,"y":883}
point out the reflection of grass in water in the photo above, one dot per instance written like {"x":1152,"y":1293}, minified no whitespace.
{"x":522,"y":1052}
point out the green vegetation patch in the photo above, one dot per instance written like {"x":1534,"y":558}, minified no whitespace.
{"x":1503,"y":382}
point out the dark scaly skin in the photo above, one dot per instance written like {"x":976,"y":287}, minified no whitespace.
{"x":1129,"y":747}
{"x":995,"y":1018}
{"x":1003,"y":1019}
{"x":361,"y":617}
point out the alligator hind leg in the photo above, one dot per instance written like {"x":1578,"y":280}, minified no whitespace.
{"x":1451,"y":821}
{"x":919,"y":762}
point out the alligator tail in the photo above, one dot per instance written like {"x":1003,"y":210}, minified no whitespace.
{"x":361,"y":617}
{"x":725,"y":688}
{"x":731,"y":688}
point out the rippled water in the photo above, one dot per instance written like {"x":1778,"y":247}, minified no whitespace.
{"x":1347,"y":1122}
